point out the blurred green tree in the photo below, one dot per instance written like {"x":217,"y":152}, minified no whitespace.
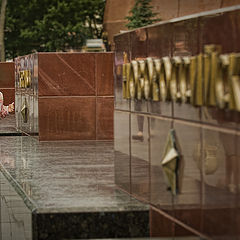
{"x":51,"y":25}
{"x":141,"y":15}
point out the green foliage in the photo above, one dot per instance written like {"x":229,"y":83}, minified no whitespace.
{"x":51,"y":25}
{"x":141,"y":15}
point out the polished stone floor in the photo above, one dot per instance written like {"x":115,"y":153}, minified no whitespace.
{"x":63,"y":176}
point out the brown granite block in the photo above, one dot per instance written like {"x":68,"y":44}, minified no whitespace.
{"x":7,"y":77}
{"x":166,"y":9}
{"x":191,"y":217}
{"x":140,"y":178}
{"x":222,"y":29}
{"x":104,"y":74}
{"x":122,"y":46}
{"x":160,"y":46}
{"x":104,"y":118}
{"x":187,"y":7}
{"x":160,"y":196}
{"x":67,"y":118}
{"x":64,"y":74}
{"x":227,"y":3}
{"x":122,"y":149}
{"x":221,"y":184}
{"x":138,"y":43}
{"x":8,"y":94}
{"x":160,"y":226}
{"x":189,"y":198}
{"x":185,"y":43}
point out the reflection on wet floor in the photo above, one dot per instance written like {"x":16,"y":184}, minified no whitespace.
{"x":15,"y":216}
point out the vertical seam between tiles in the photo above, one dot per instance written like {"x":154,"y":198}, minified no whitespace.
{"x":149,"y":162}
{"x":96,"y":111}
{"x":178,"y":7}
{"x":130,"y":152}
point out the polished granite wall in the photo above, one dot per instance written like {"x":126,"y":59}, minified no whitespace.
{"x":70,"y":96}
{"x":7,"y":86}
{"x":208,"y":203}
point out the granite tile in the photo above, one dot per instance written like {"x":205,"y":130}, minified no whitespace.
{"x":91,"y":225}
{"x":187,"y":7}
{"x":159,"y":45}
{"x":160,"y":40}
{"x":192,"y":218}
{"x":64,"y":74}
{"x":159,"y":196}
{"x":122,"y":149}
{"x":67,"y":118}
{"x":7,"y":77}
{"x":8,"y":95}
{"x":104,"y":74}
{"x":138,"y":43}
{"x":122,"y":43}
{"x":181,"y":232}
{"x":140,"y":156}
{"x":189,"y":199}
{"x":163,"y":8}
{"x":185,"y":44}
{"x":220,"y":172}
{"x":160,"y":226}
{"x":221,"y":29}
{"x":104,"y":118}
{"x":226,"y":3}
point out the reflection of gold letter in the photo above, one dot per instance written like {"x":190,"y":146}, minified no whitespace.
{"x":174,"y":83}
{"x":234,"y":82}
{"x":199,"y":82}
{"x":128,"y":75}
{"x":165,"y":78}
{"x":192,"y":69}
{"x":185,"y":86}
{"x":134,"y":83}
{"x":124,"y":81}
{"x":156,"y":73}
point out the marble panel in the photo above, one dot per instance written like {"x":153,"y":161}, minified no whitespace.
{"x":104,"y":118}
{"x":7,"y":78}
{"x":187,"y":203}
{"x":122,"y":149}
{"x":67,"y":118}
{"x":122,"y":43}
{"x":104,"y":74}
{"x":160,"y":196}
{"x":220,"y":176}
{"x":64,"y":74}
{"x":140,"y":178}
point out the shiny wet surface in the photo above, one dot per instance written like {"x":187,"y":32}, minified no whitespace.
{"x":63,"y":176}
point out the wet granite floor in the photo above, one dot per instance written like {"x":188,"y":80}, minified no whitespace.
{"x":63,"y":190}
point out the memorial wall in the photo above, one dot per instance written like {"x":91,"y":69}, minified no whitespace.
{"x":65,"y":96}
{"x":176,"y":124}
